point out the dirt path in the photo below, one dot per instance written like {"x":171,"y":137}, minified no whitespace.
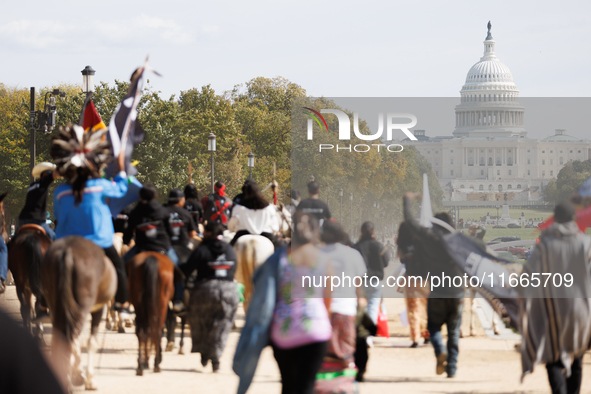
{"x":485,"y":365}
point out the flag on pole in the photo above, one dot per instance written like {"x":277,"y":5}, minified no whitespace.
{"x":91,"y":120}
{"x":426,"y":216}
{"x":124,"y":129}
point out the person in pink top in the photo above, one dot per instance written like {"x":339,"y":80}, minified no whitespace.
{"x":300,"y":327}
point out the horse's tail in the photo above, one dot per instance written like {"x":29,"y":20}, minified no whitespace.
{"x":33,"y":258}
{"x":246,"y":257}
{"x":151,"y":311}
{"x":67,"y":313}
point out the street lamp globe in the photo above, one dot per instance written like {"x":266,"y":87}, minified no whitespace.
{"x":341,"y":192}
{"x":250,"y":161}
{"x":211,"y":142}
{"x":88,"y":80}
{"x":351,"y":196}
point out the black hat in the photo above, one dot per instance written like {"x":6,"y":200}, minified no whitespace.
{"x":175,"y":196}
{"x":564,"y":212}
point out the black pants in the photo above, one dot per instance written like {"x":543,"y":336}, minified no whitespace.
{"x":299,"y":366}
{"x":122,"y":294}
{"x":559,"y":383}
{"x":361,"y":356}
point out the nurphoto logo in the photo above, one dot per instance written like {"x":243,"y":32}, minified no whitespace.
{"x":392,"y":123}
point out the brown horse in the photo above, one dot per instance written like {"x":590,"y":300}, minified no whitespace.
{"x":151,"y":287}
{"x":77,"y":280}
{"x":25,"y":253}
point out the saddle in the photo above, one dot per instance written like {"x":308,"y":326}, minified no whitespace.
{"x":31,"y":227}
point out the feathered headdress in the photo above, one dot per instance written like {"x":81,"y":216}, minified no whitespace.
{"x":79,"y":154}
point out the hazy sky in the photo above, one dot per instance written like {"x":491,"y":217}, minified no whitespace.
{"x":330,"y":48}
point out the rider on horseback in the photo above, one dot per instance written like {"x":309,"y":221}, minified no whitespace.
{"x":254,"y":215}
{"x":150,"y":222}
{"x":193,"y":205}
{"x":79,"y":206}
{"x":35,"y":209}
{"x":3,"y":249}
{"x":182,"y":225}
{"x":218,"y":207}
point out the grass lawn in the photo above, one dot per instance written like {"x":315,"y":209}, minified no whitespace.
{"x":515,"y":213}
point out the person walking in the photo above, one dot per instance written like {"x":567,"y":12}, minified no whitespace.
{"x":295,"y":201}
{"x":313,"y":205}
{"x":376,"y":258}
{"x":295,"y":321}
{"x":416,"y":295}
{"x":556,"y":321}
{"x":445,"y":303}
{"x":254,"y":215}
{"x":345,"y":262}
{"x":214,"y":299}
{"x":35,"y":209}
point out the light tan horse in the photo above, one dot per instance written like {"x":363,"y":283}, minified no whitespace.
{"x":77,"y":280}
{"x":251,"y":252}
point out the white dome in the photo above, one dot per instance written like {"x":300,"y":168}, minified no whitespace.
{"x":489,"y":71}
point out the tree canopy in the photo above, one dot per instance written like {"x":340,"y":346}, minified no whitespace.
{"x":253,"y":117}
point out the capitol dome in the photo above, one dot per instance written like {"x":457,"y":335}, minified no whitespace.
{"x":489,"y":99}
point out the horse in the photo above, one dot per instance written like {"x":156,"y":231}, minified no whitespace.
{"x":251,"y":252}
{"x":77,"y":280}
{"x":113,"y":320}
{"x":151,"y":287}
{"x":25,"y":253}
{"x":183,"y":254}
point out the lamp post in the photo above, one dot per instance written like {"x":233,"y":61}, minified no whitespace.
{"x":351,"y":214}
{"x":88,"y":80}
{"x":42,"y":120}
{"x":250,"y":163}
{"x":211,"y":149}
{"x":341,"y":210}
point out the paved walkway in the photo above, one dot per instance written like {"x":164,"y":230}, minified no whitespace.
{"x":486,"y":365}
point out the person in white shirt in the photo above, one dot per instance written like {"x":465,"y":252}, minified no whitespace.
{"x":254,"y":215}
{"x":345,"y":262}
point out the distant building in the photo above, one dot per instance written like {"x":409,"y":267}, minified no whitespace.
{"x":489,"y":154}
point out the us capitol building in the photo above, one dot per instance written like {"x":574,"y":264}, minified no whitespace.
{"x":489,"y":155}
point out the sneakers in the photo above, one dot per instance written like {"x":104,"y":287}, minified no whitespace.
{"x":2,"y":286}
{"x":178,"y":306}
{"x":427,"y":341}
{"x":441,"y":363}
{"x":414,"y":345}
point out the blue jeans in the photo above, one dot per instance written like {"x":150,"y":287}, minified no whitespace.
{"x":179,"y":287}
{"x":446,"y":311}
{"x":374,"y":296}
{"x":48,"y":230}
{"x":3,"y":260}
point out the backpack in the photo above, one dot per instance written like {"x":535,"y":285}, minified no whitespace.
{"x":218,"y":209}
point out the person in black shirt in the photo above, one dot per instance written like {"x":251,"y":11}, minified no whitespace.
{"x":149,"y":220}
{"x":376,"y":258}
{"x":35,"y":209}
{"x":193,"y":205}
{"x":313,"y":205}
{"x":181,"y":224}
{"x":214,"y":298}
{"x":445,"y":303}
